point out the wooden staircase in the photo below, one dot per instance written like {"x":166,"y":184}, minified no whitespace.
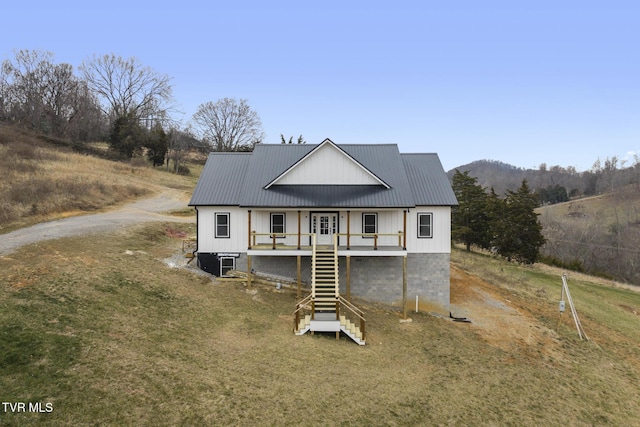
{"x":324,"y":303}
{"x":325,"y":288}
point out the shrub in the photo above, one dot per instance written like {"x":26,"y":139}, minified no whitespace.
{"x":183,"y":170}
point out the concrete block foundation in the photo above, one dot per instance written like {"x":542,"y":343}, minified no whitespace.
{"x":376,"y":279}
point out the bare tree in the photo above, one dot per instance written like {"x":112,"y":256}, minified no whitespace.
{"x":179,"y":142}
{"x":25,"y":79}
{"x":126,"y":88}
{"x":42,"y":95}
{"x":229,"y":125}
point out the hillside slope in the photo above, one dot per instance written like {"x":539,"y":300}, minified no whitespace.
{"x":116,"y":335}
{"x":43,"y":181}
{"x":599,"y":234}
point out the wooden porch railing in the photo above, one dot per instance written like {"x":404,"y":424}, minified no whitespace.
{"x":375,"y":237}
{"x":274,"y":236}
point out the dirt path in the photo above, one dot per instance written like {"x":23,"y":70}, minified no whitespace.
{"x":144,"y":210}
{"x":496,"y":318}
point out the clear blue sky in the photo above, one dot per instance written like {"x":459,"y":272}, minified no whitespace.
{"x":523,"y":82}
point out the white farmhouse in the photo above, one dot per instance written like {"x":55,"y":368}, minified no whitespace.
{"x":361,"y":220}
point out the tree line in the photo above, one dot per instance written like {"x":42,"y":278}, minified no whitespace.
{"x":507,"y":226}
{"x":119,"y":100}
{"x":556,"y":184}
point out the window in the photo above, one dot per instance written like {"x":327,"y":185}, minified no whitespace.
{"x":226,"y":264}
{"x":278,"y":224}
{"x":369,"y":223}
{"x":425,"y":225}
{"x":324,"y":225}
{"x":222,"y":224}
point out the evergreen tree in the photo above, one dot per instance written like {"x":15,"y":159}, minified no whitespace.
{"x":517,"y":231}
{"x":495,"y":218}
{"x":156,"y":145}
{"x":469,"y":220}
{"x":127,"y":136}
{"x":284,"y":141}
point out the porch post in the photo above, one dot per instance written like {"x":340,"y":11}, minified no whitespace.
{"x":348,"y":230}
{"x":349,"y":278}
{"x":248,"y":271}
{"x":298,"y":249}
{"x":404,"y":232}
{"x":249,"y":229}
{"x":404,"y":286}
{"x":299,"y":259}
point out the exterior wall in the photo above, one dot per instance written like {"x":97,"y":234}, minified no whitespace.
{"x":282,"y":266}
{"x":261,"y":223}
{"x":380,"y":279}
{"x":238,"y":235}
{"x":377,"y":278}
{"x":389,"y":221}
{"x":441,"y":240}
{"x":313,"y":170}
{"x":373,"y":278}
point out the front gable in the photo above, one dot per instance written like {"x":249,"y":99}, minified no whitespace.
{"x":327,"y":164}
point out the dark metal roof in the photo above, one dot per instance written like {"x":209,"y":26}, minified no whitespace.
{"x":221,"y":180}
{"x":239,"y":179}
{"x":429,"y":183}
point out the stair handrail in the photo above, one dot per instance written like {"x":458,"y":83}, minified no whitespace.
{"x":351,"y":306}
{"x":296,"y":314}
{"x":313,"y":265}
{"x":335,"y":264}
{"x":357,"y":312}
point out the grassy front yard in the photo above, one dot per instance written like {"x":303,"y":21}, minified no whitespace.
{"x":106,"y":332}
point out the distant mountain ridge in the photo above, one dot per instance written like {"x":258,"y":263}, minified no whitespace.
{"x":603,"y":177}
{"x":494,"y":174}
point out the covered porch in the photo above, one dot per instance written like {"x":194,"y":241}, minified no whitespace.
{"x":352,"y":233}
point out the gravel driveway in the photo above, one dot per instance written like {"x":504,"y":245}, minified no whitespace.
{"x":144,"y":210}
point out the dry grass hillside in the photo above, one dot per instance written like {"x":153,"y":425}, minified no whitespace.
{"x":42,"y":181}
{"x":598,"y":235}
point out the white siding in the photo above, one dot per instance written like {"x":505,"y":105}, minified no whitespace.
{"x":441,"y":240}
{"x":389,"y":221}
{"x":326,"y":166}
{"x":238,"y":239}
{"x":261,"y":223}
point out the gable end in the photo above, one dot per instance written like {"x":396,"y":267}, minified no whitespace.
{"x":327,"y":164}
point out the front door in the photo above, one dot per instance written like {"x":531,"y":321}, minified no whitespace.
{"x":324,"y":225}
